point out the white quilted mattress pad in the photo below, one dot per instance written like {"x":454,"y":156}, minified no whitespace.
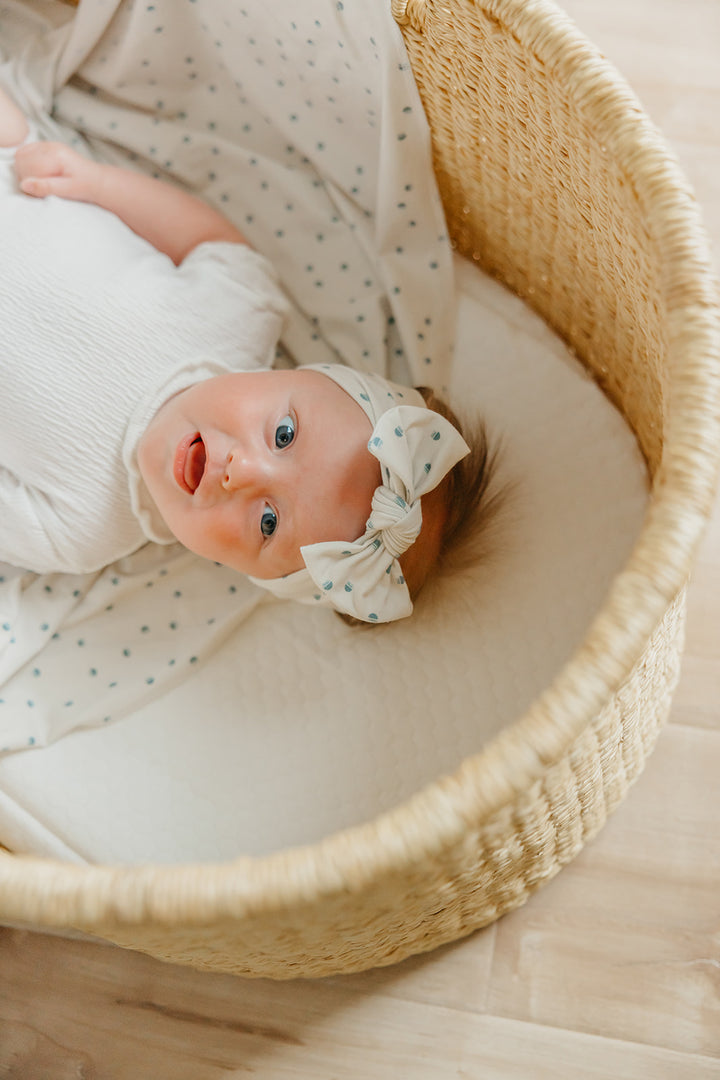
{"x":285,"y":723}
{"x":166,"y":709}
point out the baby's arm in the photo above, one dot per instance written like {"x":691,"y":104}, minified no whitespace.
{"x":172,"y":220}
{"x":13,"y":125}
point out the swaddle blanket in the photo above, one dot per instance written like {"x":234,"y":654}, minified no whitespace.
{"x":302,"y":123}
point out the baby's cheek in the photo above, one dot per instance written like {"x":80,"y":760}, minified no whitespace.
{"x":221,"y":537}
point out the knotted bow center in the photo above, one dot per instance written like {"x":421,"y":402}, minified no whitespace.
{"x":398,"y":521}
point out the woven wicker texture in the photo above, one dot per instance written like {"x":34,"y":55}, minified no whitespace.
{"x":553,"y":181}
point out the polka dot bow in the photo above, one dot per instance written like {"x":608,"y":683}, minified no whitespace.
{"x":416,"y":448}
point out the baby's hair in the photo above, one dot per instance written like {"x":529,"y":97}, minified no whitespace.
{"x":456,"y":513}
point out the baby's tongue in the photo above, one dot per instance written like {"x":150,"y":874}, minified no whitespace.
{"x":195,"y":464}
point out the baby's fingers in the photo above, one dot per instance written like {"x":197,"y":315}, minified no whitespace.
{"x":47,"y":168}
{"x":40,"y":187}
{"x":41,"y":159}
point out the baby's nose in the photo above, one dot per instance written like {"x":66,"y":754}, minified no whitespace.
{"x":240,"y":473}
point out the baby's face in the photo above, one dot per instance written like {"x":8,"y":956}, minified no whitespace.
{"x":246,"y":468}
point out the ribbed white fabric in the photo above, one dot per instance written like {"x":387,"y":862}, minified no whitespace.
{"x":97,"y":326}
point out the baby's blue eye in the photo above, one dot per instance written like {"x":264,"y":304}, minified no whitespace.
{"x":268,"y":521}
{"x":284,"y":432}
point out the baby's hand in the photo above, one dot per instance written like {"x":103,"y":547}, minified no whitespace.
{"x":51,"y":168}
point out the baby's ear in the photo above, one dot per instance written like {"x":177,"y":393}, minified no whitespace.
{"x":420,"y":558}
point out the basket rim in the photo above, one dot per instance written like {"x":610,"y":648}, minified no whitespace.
{"x":52,"y":893}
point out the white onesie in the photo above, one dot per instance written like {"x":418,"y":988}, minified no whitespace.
{"x":98,"y":330}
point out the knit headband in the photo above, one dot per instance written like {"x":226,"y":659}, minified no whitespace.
{"x":416,"y":448}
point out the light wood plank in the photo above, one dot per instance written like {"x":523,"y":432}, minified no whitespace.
{"x":456,"y":976}
{"x":81,"y":1023}
{"x":625,"y":941}
{"x":698,"y":693}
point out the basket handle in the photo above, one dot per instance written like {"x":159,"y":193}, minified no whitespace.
{"x":409,"y":12}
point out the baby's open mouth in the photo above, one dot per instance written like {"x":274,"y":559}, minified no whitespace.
{"x":190,"y":461}
{"x":195,"y":463}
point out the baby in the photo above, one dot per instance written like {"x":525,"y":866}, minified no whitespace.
{"x":323,"y":484}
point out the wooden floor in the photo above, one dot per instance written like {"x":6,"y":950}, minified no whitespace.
{"x":611,"y":971}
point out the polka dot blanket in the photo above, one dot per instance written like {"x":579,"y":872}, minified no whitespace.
{"x":302,"y":123}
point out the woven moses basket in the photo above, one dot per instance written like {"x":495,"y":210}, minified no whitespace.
{"x":553,"y":181}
